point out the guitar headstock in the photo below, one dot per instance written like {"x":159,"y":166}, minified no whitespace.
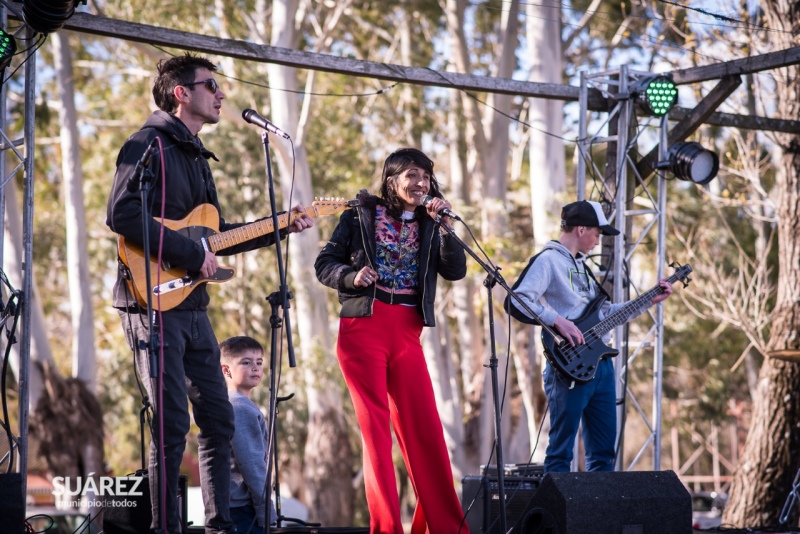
{"x":331,"y":205}
{"x":682,"y":273}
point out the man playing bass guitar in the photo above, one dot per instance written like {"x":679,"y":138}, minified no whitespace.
{"x":559,"y":288}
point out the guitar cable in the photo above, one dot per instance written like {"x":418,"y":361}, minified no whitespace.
{"x":158,"y":316}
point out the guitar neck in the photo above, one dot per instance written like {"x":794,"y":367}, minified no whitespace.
{"x":622,"y":315}
{"x":255,"y":230}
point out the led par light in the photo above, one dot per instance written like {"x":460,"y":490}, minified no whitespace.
{"x":655,"y":95}
{"x":8,"y":47}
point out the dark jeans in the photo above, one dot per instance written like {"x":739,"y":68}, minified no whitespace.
{"x":593,"y":403}
{"x":244,"y":519}
{"x":191,"y":368}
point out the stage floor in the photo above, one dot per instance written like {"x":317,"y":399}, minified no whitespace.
{"x":302,"y":530}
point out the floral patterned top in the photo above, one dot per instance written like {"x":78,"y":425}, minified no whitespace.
{"x":397,"y":257}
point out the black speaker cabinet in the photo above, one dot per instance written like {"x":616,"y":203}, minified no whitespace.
{"x":480,"y":501}
{"x":12,"y":505}
{"x":636,"y":502}
{"x":132,"y":515}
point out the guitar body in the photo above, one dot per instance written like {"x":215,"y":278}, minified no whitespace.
{"x":579,"y":363}
{"x":171,"y":285}
{"x":201,"y":223}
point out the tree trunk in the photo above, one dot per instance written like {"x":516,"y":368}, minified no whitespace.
{"x":547,"y":166}
{"x":771,"y":455}
{"x":487,"y":140}
{"x":328,"y":457}
{"x":84,"y":366}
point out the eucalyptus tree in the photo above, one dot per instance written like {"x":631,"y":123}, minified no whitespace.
{"x":771,"y":457}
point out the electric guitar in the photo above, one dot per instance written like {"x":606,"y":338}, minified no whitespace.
{"x":171,"y":285}
{"x":579,"y":363}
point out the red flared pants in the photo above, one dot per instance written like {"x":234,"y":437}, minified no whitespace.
{"x":384,"y":367}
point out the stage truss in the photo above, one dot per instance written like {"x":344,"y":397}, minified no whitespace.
{"x":638,"y":212}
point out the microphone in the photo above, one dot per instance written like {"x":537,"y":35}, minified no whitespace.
{"x":444,"y":211}
{"x":144,"y":162}
{"x":253,"y":117}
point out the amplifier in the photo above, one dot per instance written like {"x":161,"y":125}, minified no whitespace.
{"x":481,"y":501}
{"x":517,"y":470}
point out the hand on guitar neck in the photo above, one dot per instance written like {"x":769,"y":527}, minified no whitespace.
{"x":170,"y":284}
{"x":667,"y":291}
{"x":573,"y":335}
{"x":300,"y":221}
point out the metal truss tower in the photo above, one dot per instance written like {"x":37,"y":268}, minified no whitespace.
{"x":638,"y":212}
{"x":16,"y":154}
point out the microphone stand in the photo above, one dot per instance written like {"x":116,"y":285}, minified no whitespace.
{"x":493,"y":277}
{"x":144,"y":176}
{"x":278,"y":508}
{"x":276,"y":299}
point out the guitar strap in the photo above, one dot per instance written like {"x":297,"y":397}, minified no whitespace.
{"x":599,"y":287}
{"x":510,"y":305}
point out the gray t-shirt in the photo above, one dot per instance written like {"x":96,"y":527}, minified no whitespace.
{"x":249,"y":457}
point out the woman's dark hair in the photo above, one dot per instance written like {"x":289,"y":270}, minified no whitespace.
{"x":397,"y":162}
{"x":175,"y":71}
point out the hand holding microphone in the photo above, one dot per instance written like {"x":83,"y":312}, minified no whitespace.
{"x":438,"y":206}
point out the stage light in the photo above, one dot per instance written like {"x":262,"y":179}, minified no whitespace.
{"x":47,"y":16}
{"x":8,"y":47}
{"x":691,"y":162}
{"x":655,"y":95}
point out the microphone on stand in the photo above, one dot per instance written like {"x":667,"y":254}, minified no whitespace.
{"x":253,"y":117}
{"x":444,"y":211}
{"x":144,"y":162}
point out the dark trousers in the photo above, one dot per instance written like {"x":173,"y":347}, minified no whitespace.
{"x":191,"y":368}
{"x":595,"y":405}
{"x":245,"y":521}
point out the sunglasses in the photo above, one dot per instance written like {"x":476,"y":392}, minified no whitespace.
{"x":211,"y":84}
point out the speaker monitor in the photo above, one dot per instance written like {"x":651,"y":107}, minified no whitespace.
{"x":132,"y":514}
{"x":481,"y":501}
{"x":636,"y":502}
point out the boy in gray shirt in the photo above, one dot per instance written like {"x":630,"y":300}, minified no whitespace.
{"x":242,"y":360}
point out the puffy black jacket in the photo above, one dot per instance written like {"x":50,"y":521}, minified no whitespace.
{"x":352,"y":246}
{"x":188,"y":184}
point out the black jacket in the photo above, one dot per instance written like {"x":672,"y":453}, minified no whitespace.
{"x":188,"y":184}
{"x":352,"y":246}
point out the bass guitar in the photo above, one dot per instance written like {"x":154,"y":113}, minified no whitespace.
{"x":579,"y":363}
{"x":173,"y":284}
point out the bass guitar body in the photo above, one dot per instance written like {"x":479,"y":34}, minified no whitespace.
{"x":579,"y":363}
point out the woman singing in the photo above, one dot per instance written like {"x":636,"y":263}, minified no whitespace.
{"x":384,"y":259}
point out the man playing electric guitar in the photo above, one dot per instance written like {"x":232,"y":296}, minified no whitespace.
{"x":558,"y":287}
{"x":188,"y":97}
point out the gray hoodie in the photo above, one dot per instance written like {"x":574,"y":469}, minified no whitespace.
{"x":559,"y":283}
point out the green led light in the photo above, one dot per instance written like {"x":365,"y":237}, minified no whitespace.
{"x":655,"y":95}
{"x":8,"y":47}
